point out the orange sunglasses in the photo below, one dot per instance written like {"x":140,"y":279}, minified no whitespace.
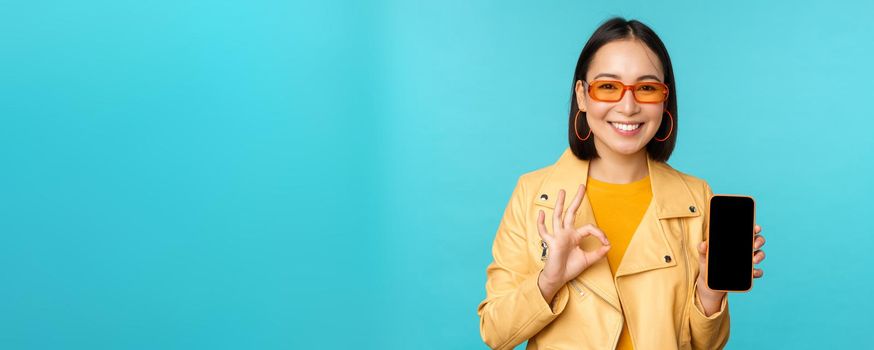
{"x":613,"y":91}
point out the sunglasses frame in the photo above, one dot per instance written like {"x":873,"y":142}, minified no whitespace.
{"x":626,"y":88}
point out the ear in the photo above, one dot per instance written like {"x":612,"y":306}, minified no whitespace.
{"x":580,"y":91}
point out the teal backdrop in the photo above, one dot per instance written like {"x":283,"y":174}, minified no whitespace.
{"x":328,"y":174}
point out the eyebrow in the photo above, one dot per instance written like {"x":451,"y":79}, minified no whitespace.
{"x":614,"y":76}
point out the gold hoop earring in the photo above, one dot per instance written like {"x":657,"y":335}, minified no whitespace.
{"x":577,"y":132}
{"x":671,"y":117}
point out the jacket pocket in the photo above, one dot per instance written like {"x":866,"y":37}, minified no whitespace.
{"x":579,"y":290}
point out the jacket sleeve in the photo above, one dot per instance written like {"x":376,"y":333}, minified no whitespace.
{"x":708,"y":332}
{"x":514,"y":310}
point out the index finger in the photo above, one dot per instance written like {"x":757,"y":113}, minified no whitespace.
{"x":594,"y":231}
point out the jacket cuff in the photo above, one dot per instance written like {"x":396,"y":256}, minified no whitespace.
{"x":707,"y":331}
{"x":699,"y":309}
{"x":538,"y":313}
{"x":532,"y":293}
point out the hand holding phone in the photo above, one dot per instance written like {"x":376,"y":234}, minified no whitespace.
{"x":730,"y":243}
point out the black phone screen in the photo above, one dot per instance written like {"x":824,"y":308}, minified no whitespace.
{"x":730,"y":247}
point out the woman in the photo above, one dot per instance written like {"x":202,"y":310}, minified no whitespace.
{"x":620,"y":266}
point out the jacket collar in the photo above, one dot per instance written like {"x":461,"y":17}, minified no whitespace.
{"x":649,"y":248}
{"x":670,"y":194}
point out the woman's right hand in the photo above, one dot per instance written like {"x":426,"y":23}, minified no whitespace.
{"x":566,"y":259}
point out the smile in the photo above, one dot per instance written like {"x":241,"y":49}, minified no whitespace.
{"x":626,"y":129}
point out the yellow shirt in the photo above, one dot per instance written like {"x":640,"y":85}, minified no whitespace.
{"x":618,"y":209}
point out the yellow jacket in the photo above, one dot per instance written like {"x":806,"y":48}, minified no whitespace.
{"x":655,"y":281}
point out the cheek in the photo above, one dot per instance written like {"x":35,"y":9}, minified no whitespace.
{"x":654,"y":118}
{"x":596,"y":113}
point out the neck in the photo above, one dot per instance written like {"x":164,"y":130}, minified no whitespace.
{"x":618,"y":168}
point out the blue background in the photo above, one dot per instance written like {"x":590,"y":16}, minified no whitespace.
{"x":327,"y":174}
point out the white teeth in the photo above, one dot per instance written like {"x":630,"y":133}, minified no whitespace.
{"x":625,"y":127}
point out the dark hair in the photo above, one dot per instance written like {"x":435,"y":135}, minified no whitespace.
{"x":618,"y":28}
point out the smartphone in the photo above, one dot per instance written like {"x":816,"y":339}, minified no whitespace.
{"x":730,"y":245}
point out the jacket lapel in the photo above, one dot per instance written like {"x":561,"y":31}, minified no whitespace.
{"x":649,"y":245}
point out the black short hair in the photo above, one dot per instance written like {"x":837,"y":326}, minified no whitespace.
{"x":618,"y":28}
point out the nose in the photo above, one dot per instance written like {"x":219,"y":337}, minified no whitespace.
{"x":628,"y":105}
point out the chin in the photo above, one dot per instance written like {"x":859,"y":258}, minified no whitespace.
{"x":626,"y":149}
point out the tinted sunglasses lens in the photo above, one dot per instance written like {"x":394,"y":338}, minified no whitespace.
{"x":606,"y":91}
{"x":650,"y":92}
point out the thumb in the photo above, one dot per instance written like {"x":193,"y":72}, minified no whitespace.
{"x":597,"y":254}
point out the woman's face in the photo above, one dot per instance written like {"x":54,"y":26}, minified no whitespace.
{"x":628,"y":61}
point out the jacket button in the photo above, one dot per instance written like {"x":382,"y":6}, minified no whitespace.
{"x":544,"y":197}
{"x":667,"y":258}
{"x":692,"y":208}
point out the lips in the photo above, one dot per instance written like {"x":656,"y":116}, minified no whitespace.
{"x":626,"y":127}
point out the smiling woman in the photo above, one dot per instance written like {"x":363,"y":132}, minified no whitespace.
{"x":624,"y":51}
{"x":621,"y":266}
